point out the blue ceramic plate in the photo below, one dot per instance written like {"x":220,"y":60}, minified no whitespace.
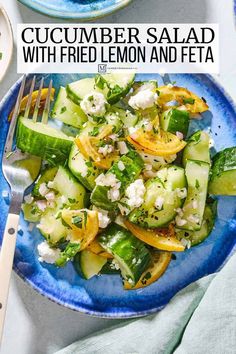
{"x":103,"y":296}
{"x":76,"y":9}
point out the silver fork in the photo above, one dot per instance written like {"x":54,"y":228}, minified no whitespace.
{"x":17,"y":170}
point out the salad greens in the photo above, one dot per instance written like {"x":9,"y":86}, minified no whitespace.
{"x":131,"y":187}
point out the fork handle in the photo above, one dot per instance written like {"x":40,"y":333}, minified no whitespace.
{"x":6,"y":261}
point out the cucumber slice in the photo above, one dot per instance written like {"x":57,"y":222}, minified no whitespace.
{"x":197,"y":173}
{"x":196,"y":237}
{"x":175,"y":120}
{"x":197,"y":148}
{"x":67,"y":111}
{"x":82,"y":169}
{"x":145,"y":85}
{"x":119,"y":85}
{"x":31,"y":212}
{"x":223,"y":173}
{"x":161,"y":189}
{"x":46,"y":176}
{"x":129,"y":252}
{"x":42,"y":140}
{"x":113,"y":118}
{"x":133,"y":165}
{"x":91,"y":264}
{"x":67,"y":185}
{"x":77,"y":90}
{"x":52,"y":228}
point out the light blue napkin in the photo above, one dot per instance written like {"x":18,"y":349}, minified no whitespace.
{"x":200,"y":319}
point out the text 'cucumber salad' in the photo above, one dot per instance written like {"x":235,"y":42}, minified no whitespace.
{"x":122,"y":184}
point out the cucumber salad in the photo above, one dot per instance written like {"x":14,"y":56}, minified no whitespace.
{"x":123,"y":184}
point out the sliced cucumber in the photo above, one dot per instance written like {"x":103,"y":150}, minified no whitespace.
{"x":197,"y":174}
{"x":77,"y":90}
{"x":31,"y":212}
{"x":196,"y":237}
{"x":113,"y":118}
{"x":133,"y":165}
{"x":119,"y":117}
{"x":223,"y":173}
{"x":119,"y":85}
{"x":83,"y":169}
{"x":197,"y":148}
{"x":46,"y":176}
{"x":129,"y":252}
{"x":160,"y":190}
{"x":175,"y":120}
{"x":67,"y":111}
{"x":68,"y":186}
{"x":145,"y":85}
{"x":42,"y":140}
{"x":91,"y":264}
{"x":51,"y":227}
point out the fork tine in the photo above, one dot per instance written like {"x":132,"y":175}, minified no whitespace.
{"x":10,"y":135}
{"x":37,"y":104}
{"x":29,"y":101}
{"x":47,"y":104}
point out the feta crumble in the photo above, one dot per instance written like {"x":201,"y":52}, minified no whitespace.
{"x":143,"y":99}
{"x":135,"y":193}
{"x":41,"y":204}
{"x":108,"y":180}
{"x":179,"y":221}
{"x":105,"y":150}
{"x":94,"y":104}
{"x":121,"y":166}
{"x":47,"y":254}
{"x":43,"y":189}
{"x":180,"y":135}
{"x":103,"y":217}
{"x":122,"y":147}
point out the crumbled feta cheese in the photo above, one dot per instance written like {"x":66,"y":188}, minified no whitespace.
{"x":108,"y":180}
{"x":143,"y":99}
{"x":181,"y":192}
{"x":114,"y":265}
{"x":43,"y":189}
{"x":180,"y":135}
{"x":41,"y":204}
{"x":48,"y":254}
{"x":195,"y":204}
{"x":113,"y":194}
{"x":103,"y":217}
{"x":132,"y":130}
{"x":105,"y":150}
{"x":113,"y":137}
{"x":50,"y":184}
{"x":179,"y":221}
{"x":50,"y":196}
{"x":179,"y":211}
{"x":159,"y":203}
{"x":121,"y":166}
{"x":28,"y":199}
{"x":94,"y":104}
{"x":123,"y":209}
{"x":194,"y":219}
{"x":122,"y":147}
{"x":135,"y":193}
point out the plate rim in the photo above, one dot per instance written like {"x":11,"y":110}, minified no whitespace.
{"x":89,"y":15}
{"x":9,"y":25}
{"x":127,"y":314}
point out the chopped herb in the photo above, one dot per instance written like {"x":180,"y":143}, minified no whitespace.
{"x":63,"y":109}
{"x":100,"y":82}
{"x":94,"y":132}
{"x":1,"y":55}
{"x":85,"y":218}
{"x":89,"y":164}
{"x":64,"y":223}
{"x":69,"y":252}
{"x":155,"y":130}
{"x":77,"y":221}
{"x":188,"y":100}
{"x":72,"y":200}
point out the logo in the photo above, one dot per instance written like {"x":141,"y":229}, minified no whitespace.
{"x":102,"y":68}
